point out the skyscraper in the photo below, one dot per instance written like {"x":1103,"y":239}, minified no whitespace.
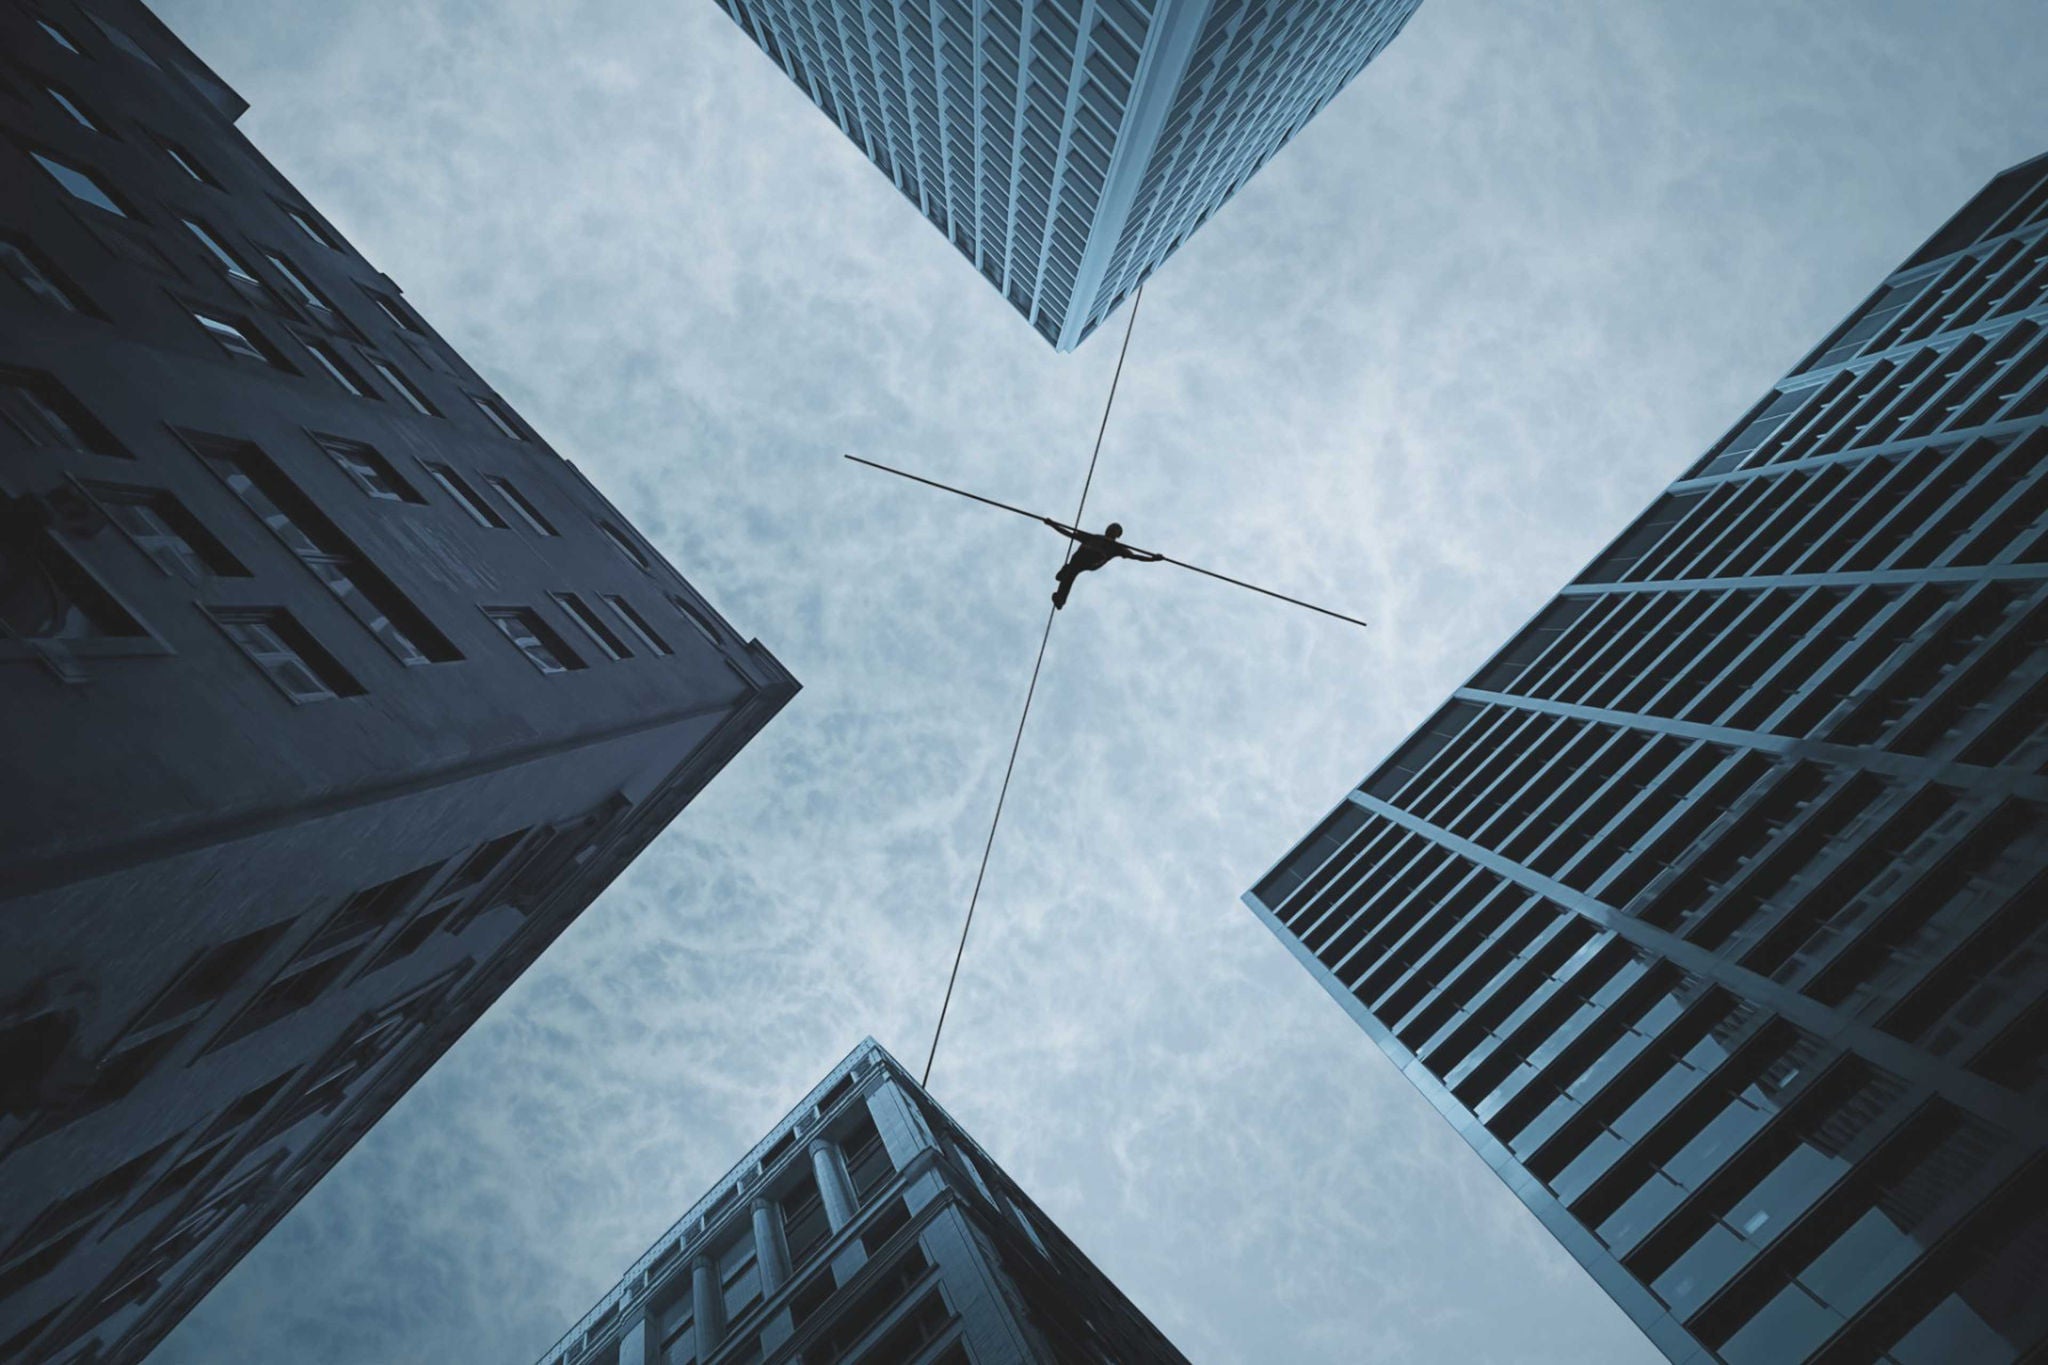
{"x":1710,"y":911}
{"x":865,"y":1228}
{"x":330,"y":694}
{"x":1068,"y":147}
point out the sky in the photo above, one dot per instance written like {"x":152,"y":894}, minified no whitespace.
{"x":1422,"y":368}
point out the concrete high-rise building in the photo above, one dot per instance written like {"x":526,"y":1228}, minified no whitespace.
{"x":1710,"y":912}
{"x":866,"y":1228}
{"x":1068,"y":147}
{"x":329,"y":693}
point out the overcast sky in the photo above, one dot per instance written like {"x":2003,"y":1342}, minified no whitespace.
{"x":1422,"y":368}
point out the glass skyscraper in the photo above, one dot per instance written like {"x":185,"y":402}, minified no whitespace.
{"x":868,"y":1229}
{"x":329,"y":693}
{"x":1067,"y":147}
{"x":1711,"y":911}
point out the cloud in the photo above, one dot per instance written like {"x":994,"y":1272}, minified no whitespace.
{"x":1427,"y":363}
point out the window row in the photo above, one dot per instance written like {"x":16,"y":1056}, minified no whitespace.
{"x":1927,"y":670}
{"x":1970,"y":384}
{"x":194,"y":1182}
{"x":796,"y":1219}
{"x":2010,"y":278}
{"x":45,"y":414}
{"x":342,"y":359}
{"x":1982,"y":502}
{"x":397,"y":919}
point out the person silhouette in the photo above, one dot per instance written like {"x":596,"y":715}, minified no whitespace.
{"x":1092,"y":551}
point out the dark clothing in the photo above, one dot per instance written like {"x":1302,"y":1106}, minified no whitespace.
{"x":1091,"y":551}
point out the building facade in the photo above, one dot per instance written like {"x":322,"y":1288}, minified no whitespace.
{"x":1068,"y":147}
{"x":330,"y":694}
{"x":1710,"y":912}
{"x":868,"y":1229}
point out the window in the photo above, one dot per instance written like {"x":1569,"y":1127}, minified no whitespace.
{"x":698,"y":618}
{"x":59,"y":37}
{"x":636,"y":623}
{"x":309,"y":227}
{"x":81,"y":185}
{"x":739,"y":1278}
{"x":528,"y":513}
{"x":57,"y":599}
{"x":868,"y":1166}
{"x":371,"y":471}
{"x":337,"y":369}
{"x":481,"y":512}
{"x":360,"y":586}
{"x":886,"y":1289}
{"x":593,"y":625}
{"x":393,"y":309}
{"x":484,"y":861}
{"x":416,"y":400}
{"x":62,"y":1225}
{"x":915,"y":1330}
{"x":304,"y":292}
{"x":186,"y":162}
{"x":805,"y":1303}
{"x":226,"y":259}
{"x":679,"y":1342}
{"x":27,"y":267}
{"x":121,"y":40}
{"x":288,"y":656}
{"x":892,"y":1219}
{"x":238,"y":338}
{"x":71,"y":107}
{"x":165,"y":530}
{"x":46,"y":415}
{"x":804,"y":1225}
{"x":625,"y":545}
{"x":542,"y":647}
{"x":499,"y":417}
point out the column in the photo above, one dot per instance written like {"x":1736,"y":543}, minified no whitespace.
{"x":707,"y":1305}
{"x":634,"y":1347}
{"x":834,"y":1187}
{"x":771,"y":1252}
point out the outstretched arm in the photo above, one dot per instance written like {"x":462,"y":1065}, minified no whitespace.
{"x":1069,"y":532}
{"x":1143,"y":556}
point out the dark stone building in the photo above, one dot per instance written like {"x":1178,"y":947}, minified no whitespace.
{"x":868,"y":1229}
{"x":1710,"y":911}
{"x":330,"y":694}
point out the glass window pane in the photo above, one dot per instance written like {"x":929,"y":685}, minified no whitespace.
{"x":79,"y":184}
{"x":70,"y":106}
{"x":414,"y":399}
{"x":1785,"y":1193}
{"x":184,"y":161}
{"x":1702,"y":1269}
{"x":1653,"y":1104}
{"x":231,"y":338}
{"x":305,"y":292}
{"x":34,"y":275}
{"x":336,"y":371}
{"x":1789,"y":1327}
{"x":58,"y":36}
{"x":1544,"y":1125}
{"x":1953,"y":1333}
{"x":227,"y":260}
{"x":1640,"y":1212}
{"x":470,"y":501}
{"x":1862,"y":1261}
{"x":1592,"y":1163}
{"x":1718,"y":1139}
